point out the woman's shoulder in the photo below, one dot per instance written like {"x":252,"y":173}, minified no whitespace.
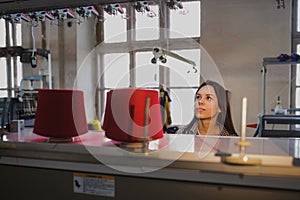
{"x":225,"y":132}
{"x":186,"y":129}
{"x":181,"y":130}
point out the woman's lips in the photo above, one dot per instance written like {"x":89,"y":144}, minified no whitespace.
{"x":200,"y":109}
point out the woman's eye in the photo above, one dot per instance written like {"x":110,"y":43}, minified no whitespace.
{"x":209,"y":98}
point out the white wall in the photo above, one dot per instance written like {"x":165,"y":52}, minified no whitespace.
{"x":86,"y":65}
{"x":238,"y":34}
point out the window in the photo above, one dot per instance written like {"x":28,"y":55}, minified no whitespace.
{"x":3,"y":62}
{"x":128,"y":63}
{"x":115,"y":28}
{"x":3,"y":81}
{"x":297,"y":10}
{"x":147,"y":74}
{"x":297,"y":85}
{"x":178,"y":21}
{"x":296,"y":46}
{"x":116,"y":70}
{"x":147,"y":27}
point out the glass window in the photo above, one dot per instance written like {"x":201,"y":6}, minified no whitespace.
{"x":2,"y":33}
{"x":147,"y":74}
{"x":115,"y":28}
{"x":297,"y":96}
{"x":147,"y":28}
{"x":182,"y":73}
{"x":298,"y":16}
{"x":116,"y":69}
{"x":182,"y":105}
{"x":3,"y":70}
{"x":179,"y":28}
{"x":3,"y":80}
{"x":298,"y":99}
{"x":297,"y":104}
{"x":177,"y":75}
{"x":298,"y":68}
{"x":298,"y":75}
{"x":2,"y":60}
{"x":3,"y":67}
{"x":19,"y":34}
{"x":19,"y":71}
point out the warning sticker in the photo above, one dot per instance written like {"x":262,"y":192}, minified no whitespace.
{"x":94,"y":184}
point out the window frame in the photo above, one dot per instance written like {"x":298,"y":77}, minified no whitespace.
{"x":14,"y":66}
{"x":134,"y":46}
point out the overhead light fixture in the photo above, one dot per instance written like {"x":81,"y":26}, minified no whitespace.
{"x":87,"y":11}
{"x":143,"y":7}
{"x":41,"y":16}
{"x":174,"y":4}
{"x":113,"y":9}
{"x":62,"y":13}
{"x":16,"y":18}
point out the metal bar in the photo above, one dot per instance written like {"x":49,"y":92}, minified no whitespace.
{"x":264,"y":88}
{"x":15,"y":65}
{"x":49,"y":71}
{"x":146,"y":119}
{"x":8,"y":61}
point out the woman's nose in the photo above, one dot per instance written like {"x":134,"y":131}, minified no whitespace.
{"x":201,"y":101}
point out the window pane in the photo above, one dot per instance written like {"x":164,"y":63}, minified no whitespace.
{"x":147,"y":28}
{"x":115,"y":28}
{"x":182,"y":105}
{"x":179,"y":27}
{"x":3,"y":81}
{"x":182,"y":73}
{"x":298,"y":68}
{"x":19,"y":34}
{"x":3,"y":72}
{"x":298,"y":16}
{"x":19,"y":71}
{"x":147,"y":74}
{"x":2,"y":33}
{"x":297,"y":104}
{"x":116,"y":69}
{"x":298,"y":75}
{"x":297,"y":97}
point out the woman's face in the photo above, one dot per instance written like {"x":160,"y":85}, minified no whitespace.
{"x":206,"y":103}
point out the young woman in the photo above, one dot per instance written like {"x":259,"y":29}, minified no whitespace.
{"x":212,"y":112}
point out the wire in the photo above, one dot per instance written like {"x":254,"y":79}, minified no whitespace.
{"x":34,"y":53}
{"x":33,"y":41}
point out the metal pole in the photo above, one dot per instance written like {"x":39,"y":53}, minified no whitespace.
{"x":146,"y":119}
{"x":264,"y":88}
{"x":49,"y":71}
{"x":15,"y":65}
{"x":8,"y":62}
